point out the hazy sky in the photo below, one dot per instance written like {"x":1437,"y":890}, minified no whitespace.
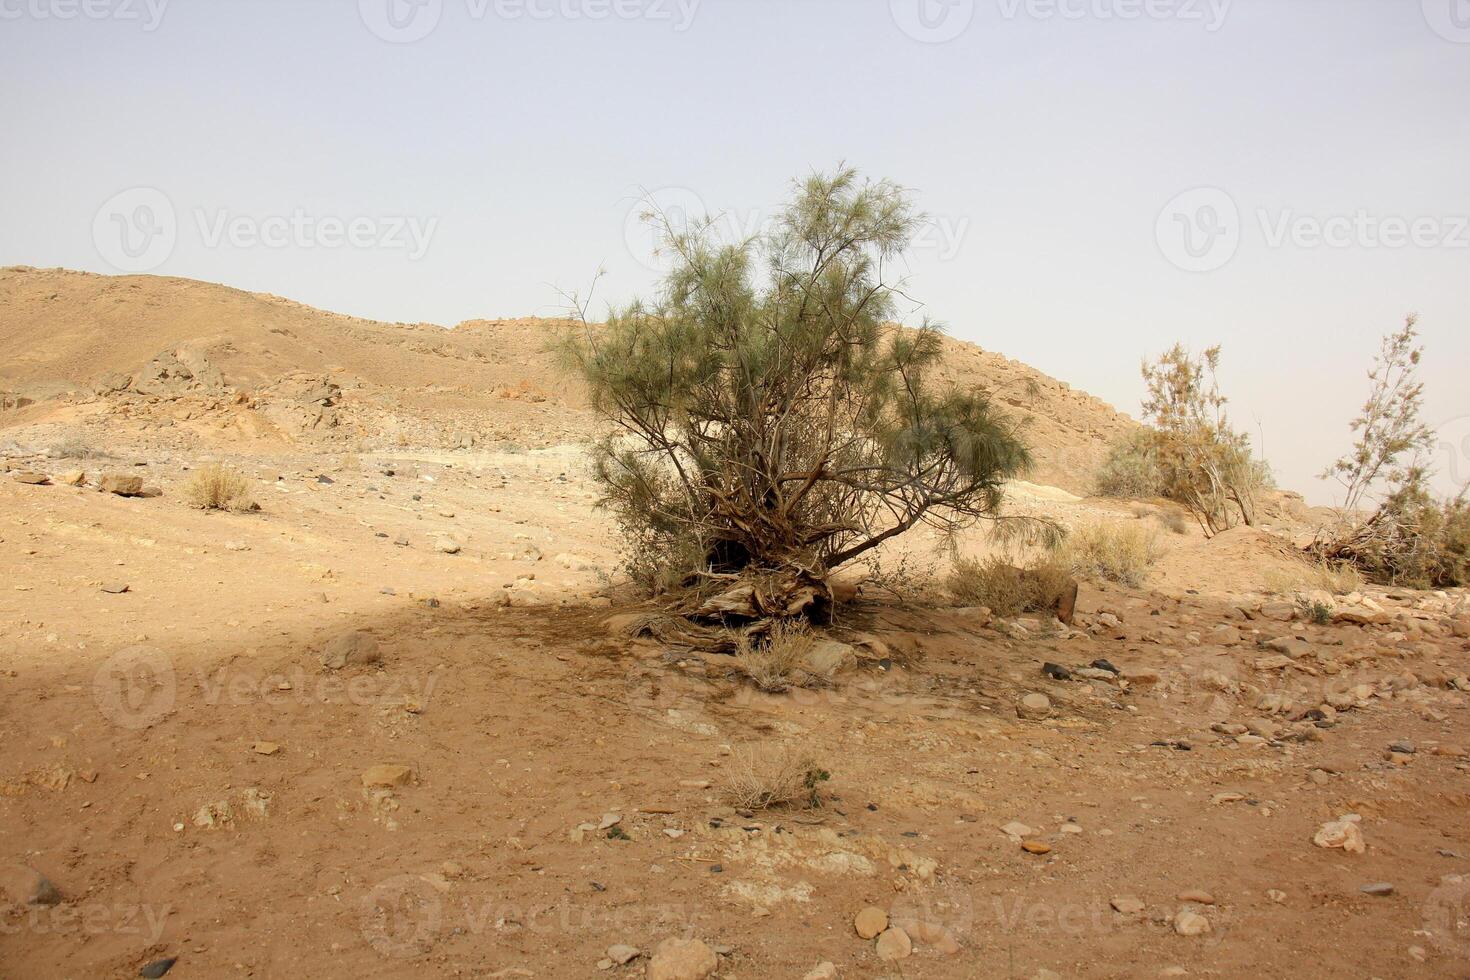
{"x":440,"y":160}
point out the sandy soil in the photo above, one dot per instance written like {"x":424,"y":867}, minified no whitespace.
{"x":178,"y":760}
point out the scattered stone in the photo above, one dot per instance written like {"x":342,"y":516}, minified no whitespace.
{"x":33,"y":479}
{"x":265,"y":748}
{"x":1106,"y":665}
{"x":447,"y":546}
{"x":1276,"y":895}
{"x":1017,"y":831}
{"x":1378,"y":888}
{"x":27,"y":886}
{"x":1035,"y":847}
{"x":1188,"y":922}
{"x":609,"y":820}
{"x":825,"y":970}
{"x":1402,"y":747}
{"x":870,"y":922}
{"x":1034,"y":707}
{"x":894,"y":944}
{"x":158,"y":968}
{"x":1341,"y":833}
{"x":1056,"y":672}
{"x":622,"y":954}
{"x":356,"y":649}
{"x":123,"y":486}
{"x":1196,"y":895}
{"x":1127,"y":905}
{"x":387,"y":776}
{"x":74,"y":478}
{"x":114,"y":588}
{"x":682,"y":959}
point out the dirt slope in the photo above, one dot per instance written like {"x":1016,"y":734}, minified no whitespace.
{"x":214,"y":363}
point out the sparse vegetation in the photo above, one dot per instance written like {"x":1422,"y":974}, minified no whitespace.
{"x":1121,"y":551}
{"x":774,"y":779}
{"x":772,"y":422}
{"x":1007,"y":589}
{"x":217,"y":487}
{"x":776,"y":661}
{"x":1411,"y":539}
{"x":1203,"y":462}
{"x":1319,"y":575}
{"x":1132,"y":470}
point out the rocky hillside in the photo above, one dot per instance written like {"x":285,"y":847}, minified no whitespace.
{"x":194,"y":361}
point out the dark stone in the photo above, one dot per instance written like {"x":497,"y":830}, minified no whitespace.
{"x":1101,"y":664}
{"x":158,"y":968}
{"x":1056,"y":672}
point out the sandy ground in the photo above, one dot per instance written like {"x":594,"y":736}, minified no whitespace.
{"x":179,"y":762}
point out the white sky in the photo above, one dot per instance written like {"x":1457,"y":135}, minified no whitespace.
{"x":497,"y":158}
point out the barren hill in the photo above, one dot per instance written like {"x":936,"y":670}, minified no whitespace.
{"x":204,"y":361}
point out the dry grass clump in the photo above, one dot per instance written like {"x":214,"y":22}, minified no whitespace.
{"x":777,"y":661}
{"x":1121,"y":552}
{"x":1332,"y":577}
{"x":783,"y":777}
{"x":1005,"y":589}
{"x":216,"y":487}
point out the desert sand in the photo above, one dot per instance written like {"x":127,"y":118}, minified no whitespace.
{"x":399,"y":721}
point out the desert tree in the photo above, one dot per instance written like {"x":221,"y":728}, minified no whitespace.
{"x":770,"y":421}
{"x":1203,"y":463}
{"x":1390,"y":427}
{"x":1410,"y":537}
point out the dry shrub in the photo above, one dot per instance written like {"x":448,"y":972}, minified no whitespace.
{"x":216,"y":487}
{"x":777,"y":661}
{"x":1005,"y":589}
{"x":1131,"y":470}
{"x":783,"y":777}
{"x":1332,"y":577}
{"x":1121,"y":552}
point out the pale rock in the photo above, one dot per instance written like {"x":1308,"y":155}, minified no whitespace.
{"x":682,"y":959}
{"x":894,"y":944}
{"x":870,"y":922}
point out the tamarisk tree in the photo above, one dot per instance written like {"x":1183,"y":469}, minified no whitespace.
{"x":771,"y":422}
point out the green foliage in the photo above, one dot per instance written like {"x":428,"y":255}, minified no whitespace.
{"x":768,"y":411}
{"x":1390,"y":425}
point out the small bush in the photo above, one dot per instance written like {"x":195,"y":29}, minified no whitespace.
{"x":770,"y":780}
{"x":1005,"y":589}
{"x":1320,"y":613}
{"x":216,"y":487}
{"x":1131,"y":471}
{"x":776,"y":662}
{"x":1412,"y":540}
{"x":1119,"y":552}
